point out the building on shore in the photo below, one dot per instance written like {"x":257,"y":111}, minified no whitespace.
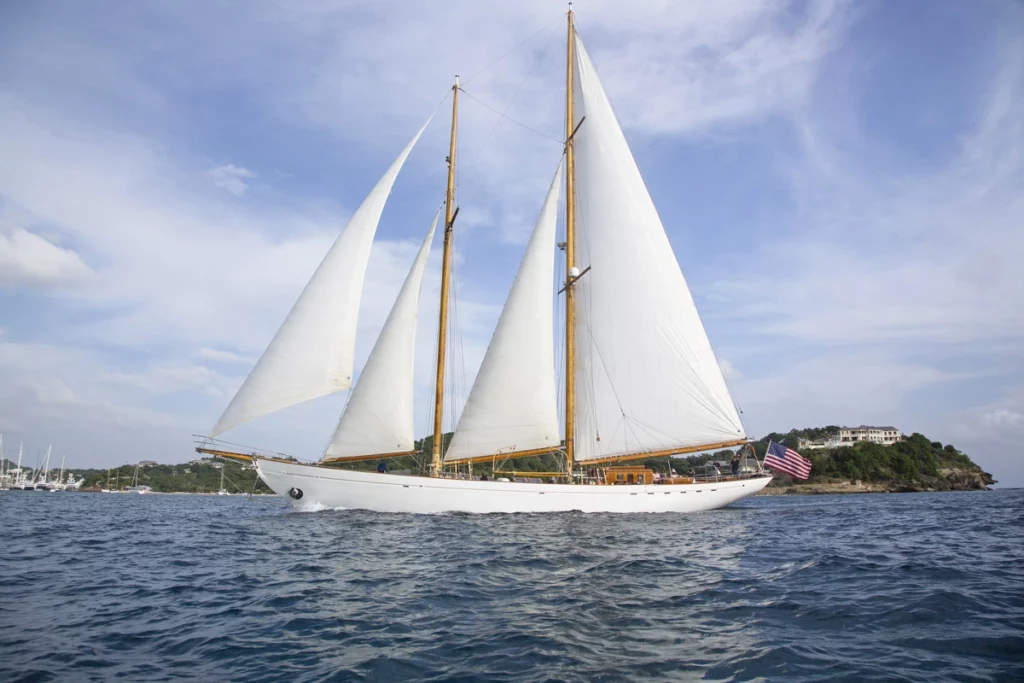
{"x":886,"y":436}
{"x":831,"y":441}
{"x":848,"y":436}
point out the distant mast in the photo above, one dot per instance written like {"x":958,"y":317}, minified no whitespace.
{"x":449,"y":218}
{"x":570,"y":266}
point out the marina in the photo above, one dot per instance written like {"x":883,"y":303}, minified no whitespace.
{"x":39,"y":478}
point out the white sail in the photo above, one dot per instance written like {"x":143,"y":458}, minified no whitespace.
{"x":313,"y":352}
{"x":646,"y":376}
{"x":379,"y":414}
{"x":513,"y":404}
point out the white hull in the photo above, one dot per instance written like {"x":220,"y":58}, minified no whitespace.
{"x":335,"y":488}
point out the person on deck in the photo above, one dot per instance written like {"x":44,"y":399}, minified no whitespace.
{"x":382,"y":467}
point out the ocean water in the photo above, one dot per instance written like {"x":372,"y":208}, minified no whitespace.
{"x":916,"y":587}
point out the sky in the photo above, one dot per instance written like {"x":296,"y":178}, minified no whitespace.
{"x":841,"y":183}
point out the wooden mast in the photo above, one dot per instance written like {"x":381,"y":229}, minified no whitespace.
{"x":435,"y":463}
{"x":570,"y":239}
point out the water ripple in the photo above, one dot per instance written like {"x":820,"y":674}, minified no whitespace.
{"x":922,"y":587}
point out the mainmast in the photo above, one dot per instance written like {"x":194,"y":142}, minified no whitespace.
{"x":449,"y":217}
{"x":571,"y":272}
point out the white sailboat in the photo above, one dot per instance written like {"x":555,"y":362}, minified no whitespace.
{"x":136,"y":487}
{"x":222,"y":491}
{"x":641,"y":382}
{"x":21,"y":482}
{"x":41,"y":483}
{"x":5,"y":475}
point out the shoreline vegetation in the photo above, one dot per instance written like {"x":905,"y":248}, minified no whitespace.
{"x":915,"y":464}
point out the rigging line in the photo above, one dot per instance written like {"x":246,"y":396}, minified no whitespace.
{"x":647,"y":429}
{"x":522,"y":83}
{"x":560,"y":143}
{"x":456,"y":359}
{"x":517,"y":46}
{"x":583,"y":250}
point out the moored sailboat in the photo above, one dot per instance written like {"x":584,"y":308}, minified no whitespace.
{"x":641,"y":379}
{"x":136,"y":487}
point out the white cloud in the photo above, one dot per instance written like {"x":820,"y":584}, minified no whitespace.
{"x":175,"y":378}
{"x":1001,"y":418}
{"x":27,"y":259}
{"x":224,"y":356}
{"x":231,"y":178}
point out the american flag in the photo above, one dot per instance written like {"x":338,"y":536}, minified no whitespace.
{"x":787,"y":460}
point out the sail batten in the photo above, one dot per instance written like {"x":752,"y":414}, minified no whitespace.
{"x":379,"y":415}
{"x":514,"y":402}
{"x":647,"y":379}
{"x":313,"y":352}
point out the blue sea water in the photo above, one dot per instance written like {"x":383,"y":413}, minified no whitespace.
{"x":916,"y":587}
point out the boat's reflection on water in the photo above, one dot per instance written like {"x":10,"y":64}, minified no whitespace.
{"x":587,"y":593}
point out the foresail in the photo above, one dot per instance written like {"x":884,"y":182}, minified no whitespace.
{"x":379,"y":414}
{"x":313,"y":352}
{"x":646,"y":376}
{"x":513,"y":404}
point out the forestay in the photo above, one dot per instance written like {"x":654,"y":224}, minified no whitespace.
{"x":646,"y":376}
{"x":379,"y":414}
{"x":513,"y":405}
{"x":313,"y":352}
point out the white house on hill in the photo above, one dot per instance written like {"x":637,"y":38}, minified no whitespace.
{"x":848,"y":436}
{"x":883,"y":435}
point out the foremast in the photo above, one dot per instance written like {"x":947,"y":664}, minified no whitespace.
{"x":570,"y":267}
{"x":442,"y":327}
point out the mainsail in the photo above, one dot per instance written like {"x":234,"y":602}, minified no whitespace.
{"x":646,"y":376}
{"x":313,"y":352}
{"x":379,"y":415}
{"x":513,"y":405}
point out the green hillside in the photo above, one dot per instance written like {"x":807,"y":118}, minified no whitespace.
{"x":916,"y":463}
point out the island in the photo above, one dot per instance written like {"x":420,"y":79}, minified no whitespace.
{"x":906,"y":464}
{"x":844,"y":460}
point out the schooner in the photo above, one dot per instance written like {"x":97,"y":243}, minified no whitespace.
{"x":641,"y":378}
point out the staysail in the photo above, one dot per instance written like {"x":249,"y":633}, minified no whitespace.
{"x":646,"y":376}
{"x":513,"y":405}
{"x":379,"y":415}
{"x":313,"y":352}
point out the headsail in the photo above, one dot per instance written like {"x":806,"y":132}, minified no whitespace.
{"x":646,"y":377}
{"x":513,"y":404}
{"x":313,"y":352}
{"x":379,"y":415}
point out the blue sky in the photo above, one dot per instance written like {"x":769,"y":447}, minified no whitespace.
{"x":840,"y":181}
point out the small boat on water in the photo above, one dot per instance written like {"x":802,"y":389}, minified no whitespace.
{"x":222,"y":491}
{"x":641,"y":379}
{"x":5,"y":477}
{"x":135,"y":486}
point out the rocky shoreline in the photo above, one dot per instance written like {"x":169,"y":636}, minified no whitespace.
{"x":948,"y":480}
